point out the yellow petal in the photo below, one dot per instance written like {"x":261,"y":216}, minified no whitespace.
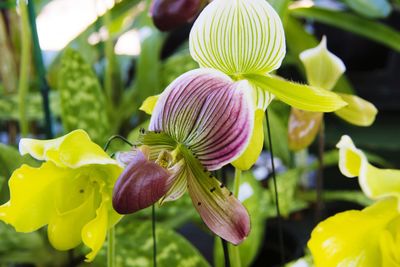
{"x":235,"y":37}
{"x":352,"y":238}
{"x":297,"y":95}
{"x":303,"y":128}
{"x":390,"y":244}
{"x":64,"y":230}
{"x":253,"y":150}
{"x":72,"y":150}
{"x":376,"y":183}
{"x":94,"y":233}
{"x":323,"y":68}
{"x":32,"y":197}
{"x":149,"y":104}
{"x":358,"y":111}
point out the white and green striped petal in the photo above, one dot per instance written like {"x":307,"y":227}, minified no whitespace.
{"x":238,"y":36}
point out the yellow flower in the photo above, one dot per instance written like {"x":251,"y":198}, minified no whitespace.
{"x":366,"y":238}
{"x":70,"y":192}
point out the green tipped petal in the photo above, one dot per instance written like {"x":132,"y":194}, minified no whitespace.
{"x":297,"y":95}
{"x":376,"y":183}
{"x":358,"y":111}
{"x":238,"y":36}
{"x":323,"y":68}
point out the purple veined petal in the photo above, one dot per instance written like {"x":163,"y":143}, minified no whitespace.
{"x":140,"y":185}
{"x":177,"y":182}
{"x":220,"y":210}
{"x":209,"y":113}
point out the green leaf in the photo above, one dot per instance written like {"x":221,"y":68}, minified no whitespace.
{"x":370,"y":8}
{"x":83,"y":103}
{"x":370,"y":29}
{"x":287,"y":185}
{"x":256,"y":202}
{"x":134,"y":248}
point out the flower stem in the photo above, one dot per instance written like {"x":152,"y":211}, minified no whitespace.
{"x":23,"y":85}
{"x":278,"y":213}
{"x":153,"y":221}
{"x":234,"y":250}
{"x":320,"y":175}
{"x":111,"y":247}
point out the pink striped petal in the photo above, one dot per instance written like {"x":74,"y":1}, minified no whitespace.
{"x":142,"y":183}
{"x":220,"y":210}
{"x":209,"y":113}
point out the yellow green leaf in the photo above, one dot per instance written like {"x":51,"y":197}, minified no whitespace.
{"x":358,"y":111}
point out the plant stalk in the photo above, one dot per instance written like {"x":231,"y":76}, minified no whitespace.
{"x":234,"y":252}
{"x":111,"y":247}
{"x":23,"y":84}
{"x":320,"y":176}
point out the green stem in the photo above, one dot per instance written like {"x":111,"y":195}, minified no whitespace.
{"x":234,"y":250}
{"x":109,"y":53}
{"x":111,"y":247}
{"x":23,"y":85}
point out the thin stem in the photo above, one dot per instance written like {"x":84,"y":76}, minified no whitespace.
{"x":224,"y":242}
{"x":320,"y":175}
{"x":111,"y":247}
{"x":234,"y":250}
{"x":153,"y":225}
{"x":44,"y":86}
{"x":23,"y":85}
{"x":278,"y":212}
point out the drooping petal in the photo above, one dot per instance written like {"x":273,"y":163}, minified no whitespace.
{"x":323,"y":68}
{"x":376,"y":183}
{"x":141,"y":184}
{"x":94,"y":232}
{"x":358,"y":111}
{"x":220,"y":210}
{"x":253,"y":150}
{"x":238,"y":36}
{"x":351,"y":238}
{"x":73,"y":150}
{"x":297,"y":95}
{"x":303,"y":128}
{"x":32,"y":197}
{"x":149,"y":104}
{"x":209,"y":113}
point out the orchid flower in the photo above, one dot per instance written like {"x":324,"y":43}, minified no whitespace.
{"x":70,"y":192}
{"x":366,"y":238}
{"x":323,"y":69}
{"x":244,"y":39}
{"x":200,"y":123}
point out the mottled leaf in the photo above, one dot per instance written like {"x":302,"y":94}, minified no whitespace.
{"x":134,"y":248}
{"x":83,"y":103}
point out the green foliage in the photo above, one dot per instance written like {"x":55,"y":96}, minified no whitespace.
{"x":373,"y":30}
{"x":370,"y":8}
{"x":83,"y":103}
{"x":176,"y":65}
{"x":134,"y":248}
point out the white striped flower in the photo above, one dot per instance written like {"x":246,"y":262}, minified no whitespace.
{"x":244,"y":39}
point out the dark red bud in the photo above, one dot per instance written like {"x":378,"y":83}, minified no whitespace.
{"x":170,"y":14}
{"x":140,"y":185}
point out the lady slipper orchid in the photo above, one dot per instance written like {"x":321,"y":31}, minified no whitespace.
{"x":370,"y":237}
{"x":244,"y":39}
{"x":323,"y":69}
{"x":200,"y":123}
{"x":70,"y":192}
